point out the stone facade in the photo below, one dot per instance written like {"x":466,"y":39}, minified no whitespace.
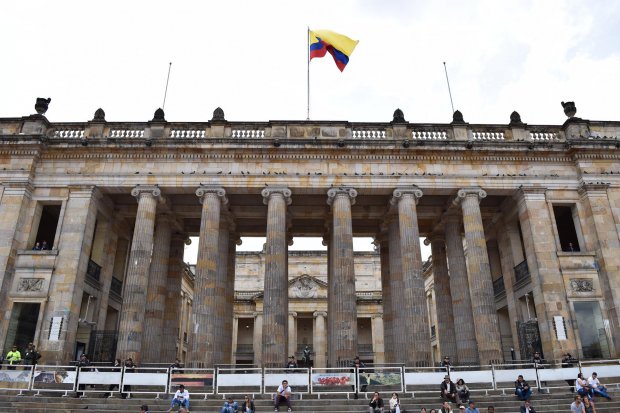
{"x":523,"y":220}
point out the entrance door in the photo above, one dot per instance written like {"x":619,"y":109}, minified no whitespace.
{"x":22,"y":326}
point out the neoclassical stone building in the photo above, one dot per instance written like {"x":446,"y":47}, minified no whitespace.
{"x":522,"y":221}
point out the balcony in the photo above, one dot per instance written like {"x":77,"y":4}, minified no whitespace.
{"x":522,"y":274}
{"x":116,"y":288}
{"x":93,"y":272}
{"x":433,"y":332}
{"x":499,"y":288}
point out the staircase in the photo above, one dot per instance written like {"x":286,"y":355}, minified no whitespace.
{"x":549,"y":403}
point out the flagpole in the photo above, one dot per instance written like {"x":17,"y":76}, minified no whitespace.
{"x":308,"y":85}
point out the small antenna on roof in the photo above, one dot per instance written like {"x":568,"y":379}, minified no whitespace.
{"x":166,"y":91}
{"x":448,"y":81}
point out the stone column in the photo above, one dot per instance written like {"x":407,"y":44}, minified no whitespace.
{"x":399,"y":334}
{"x":275,"y":304}
{"x":235,"y":335}
{"x":486,"y":325}
{"x":107,"y":272}
{"x":182,"y":323}
{"x":174,"y":306}
{"x":443,"y":298}
{"x":320,"y":339}
{"x":67,"y":283}
{"x":292,"y":333}
{"x":258,"y":339}
{"x":223,"y":325}
{"x":156,"y":293}
{"x":606,"y":245}
{"x":386,"y":294}
{"x":131,"y":330}
{"x":378,"y":346}
{"x":461,"y":299}
{"x":206,"y":340}
{"x":342,"y":336}
{"x":418,"y":353}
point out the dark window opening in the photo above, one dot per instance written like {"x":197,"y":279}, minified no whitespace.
{"x":566,"y":228}
{"x":22,"y":326}
{"x":47,"y":227}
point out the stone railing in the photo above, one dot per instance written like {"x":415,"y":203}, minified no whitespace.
{"x":498,"y":287}
{"x":522,"y":273}
{"x":290,"y":131}
{"x":93,"y":270}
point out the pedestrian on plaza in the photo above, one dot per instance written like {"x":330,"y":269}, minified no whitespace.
{"x":82,"y":364}
{"x":446,"y":364}
{"x":130,"y":367}
{"x":31,"y":356}
{"x":116,"y":367}
{"x":358,"y":365}
{"x":13,"y":357}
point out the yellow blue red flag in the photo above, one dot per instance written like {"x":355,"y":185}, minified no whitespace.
{"x":339,"y":46}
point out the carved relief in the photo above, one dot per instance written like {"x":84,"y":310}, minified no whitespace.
{"x":582,"y":285}
{"x":30,"y":284}
{"x":305,"y":287}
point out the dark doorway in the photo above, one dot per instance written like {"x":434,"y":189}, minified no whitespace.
{"x":22,"y":326}
{"x":47,"y":225}
{"x":565,"y":224}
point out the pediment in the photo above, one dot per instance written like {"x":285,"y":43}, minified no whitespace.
{"x":306,"y":286}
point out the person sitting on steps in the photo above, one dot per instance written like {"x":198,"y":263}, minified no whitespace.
{"x":283,"y":395}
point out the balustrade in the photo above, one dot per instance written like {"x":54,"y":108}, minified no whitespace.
{"x":499,"y":287}
{"x":370,"y":133}
{"x":522,"y":273}
{"x":93,"y":270}
{"x":429,"y":135}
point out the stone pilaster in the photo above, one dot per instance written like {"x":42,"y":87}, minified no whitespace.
{"x":386,"y":292}
{"x":156,"y":293}
{"x":131,"y":330}
{"x":320,"y":339}
{"x":486,"y":325}
{"x":229,"y":331}
{"x":235,"y":335}
{"x":275,"y":305}
{"x":378,"y":346}
{"x":174,"y":307}
{"x":443,"y":297}
{"x":208,"y":310}
{"x":606,"y":245}
{"x":461,"y":299}
{"x":292,"y":333}
{"x":342,"y":336}
{"x":257,"y":343}
{"x":68,"y":281}
{"x":107,"y":271}
{"x":418,"y":353}
{"x":400,"y":337}
{"x":13,"y":210}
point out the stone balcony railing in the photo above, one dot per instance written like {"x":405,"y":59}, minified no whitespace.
{"x":289,"y":131}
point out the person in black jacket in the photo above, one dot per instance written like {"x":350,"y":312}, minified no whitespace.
{"x":376,"y":404}
{"x":82,"y":362}
{"x":31,"y":356}
{"x":248,"y":405}
{"x":448,"y":390}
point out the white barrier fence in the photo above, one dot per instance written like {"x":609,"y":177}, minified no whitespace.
{"x":319,"y":381}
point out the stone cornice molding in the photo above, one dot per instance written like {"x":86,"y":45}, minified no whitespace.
{"x":284,"y":192}
{"x":332,"y":193}
{"x":206,"y":190}
{"x":401,"y":193}
{"x":593,"y":189}
{"x":530,"y":193}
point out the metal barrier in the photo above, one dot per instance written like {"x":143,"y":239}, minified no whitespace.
{"x":143,"y":379}
{"x":111,"y":377}
{"x":603,"y":369}
{"x":423,"y":377}
{"x":332,"y":380}
{"x":197,"y":381}
{"x":239,"y":381}
{"x":474,"y":375}
{"x":54,"y":379}
{"x":549,"y":373}
{"x":18,"y":379}
{"x":371,"y":379}
{"x":298,"y":379}
{"x":508,"y":373}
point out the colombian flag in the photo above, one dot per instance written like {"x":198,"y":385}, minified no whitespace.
{"x":338,"y":45}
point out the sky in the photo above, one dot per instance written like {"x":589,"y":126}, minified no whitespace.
{"x":250,"y":59}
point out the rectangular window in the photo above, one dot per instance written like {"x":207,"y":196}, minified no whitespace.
{"x":565,"y":224}
{"x":591,"y":329}
{"x":48,"y":223}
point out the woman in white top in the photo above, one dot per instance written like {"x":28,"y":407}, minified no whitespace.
{"x":394,"y":403}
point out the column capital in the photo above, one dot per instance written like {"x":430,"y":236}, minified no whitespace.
{"x":401,"y":193}
{"x":435,"y":236}
{"x":150,"y":190}
{"x":335,"y":192}
{"x":466,"y":192}
{"x":292,"y":313}
{"x":377,"y":315}
{"x":319,"y":314}
{"x":282,"y":191}
{"x":218,"y":191}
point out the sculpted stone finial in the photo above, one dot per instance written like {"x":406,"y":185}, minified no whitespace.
{"x":218,"y":114}
{"x":99,"y":116}
{"x":42,"y":105}
{"x":159,"y":116}
{"x":569,"y":109}
{"x":515,"y":119}
{"x":399,"y":116}
{"x":457,"y":118}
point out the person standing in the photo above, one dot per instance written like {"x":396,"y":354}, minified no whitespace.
{"x":82,"y":364}
{"x":13,"y":357}
{"x":31,"y":356}
{"x":130,"y":367}
{"x":358,"y":365}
